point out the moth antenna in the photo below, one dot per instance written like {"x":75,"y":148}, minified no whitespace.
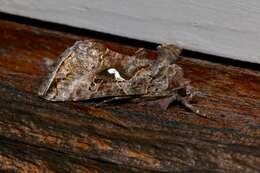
{"x":192,"y":108}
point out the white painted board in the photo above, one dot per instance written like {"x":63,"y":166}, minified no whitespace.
{"x":229,"y":28}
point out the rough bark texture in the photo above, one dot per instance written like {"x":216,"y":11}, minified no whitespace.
{"x":41,"y":136}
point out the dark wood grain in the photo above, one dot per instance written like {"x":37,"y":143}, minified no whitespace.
{"x":41,"y":136}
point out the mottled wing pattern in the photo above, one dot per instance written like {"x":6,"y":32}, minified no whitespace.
{"x":82,"y":74}
{"x":73,"y":76}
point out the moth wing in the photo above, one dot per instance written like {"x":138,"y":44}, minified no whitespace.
{"x":73,"y":76}
{"x":47,"y":84}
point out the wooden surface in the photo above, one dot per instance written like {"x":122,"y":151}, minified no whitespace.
{"x":229,"y":28}
{"x":42,"y":136}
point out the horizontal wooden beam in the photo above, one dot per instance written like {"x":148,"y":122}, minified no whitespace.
{"x":42,"y":136}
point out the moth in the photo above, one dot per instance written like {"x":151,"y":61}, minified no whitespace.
{"x":90,"y":70}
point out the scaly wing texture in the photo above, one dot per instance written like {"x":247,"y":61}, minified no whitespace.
{"x":82,"y":74}
{"x":73,"y":76}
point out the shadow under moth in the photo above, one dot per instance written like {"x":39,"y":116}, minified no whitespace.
{"x":90,"y":70}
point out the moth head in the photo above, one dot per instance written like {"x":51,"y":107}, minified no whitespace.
{"x":90,"y":47}
{"x":169,"y":51}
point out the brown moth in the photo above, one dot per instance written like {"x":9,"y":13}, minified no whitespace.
{"x":89,"y":70}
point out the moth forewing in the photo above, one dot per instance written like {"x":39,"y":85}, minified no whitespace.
{"x":47,"y":84}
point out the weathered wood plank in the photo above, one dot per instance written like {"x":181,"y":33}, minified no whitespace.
{"x":225,"y":28}
{"x":75,"y":136}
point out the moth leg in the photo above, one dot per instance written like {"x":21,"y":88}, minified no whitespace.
{"x":185,"y":103}
{"x":112,"y":99}
{"x":163,"y":103}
